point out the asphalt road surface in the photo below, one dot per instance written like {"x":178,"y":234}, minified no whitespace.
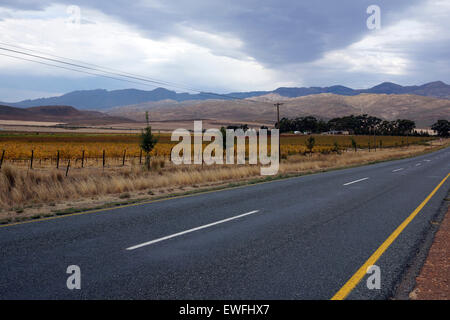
{"x":299,"y":238}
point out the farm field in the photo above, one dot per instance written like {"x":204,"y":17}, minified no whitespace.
{"x":45,"y":190}
{"x":45,"y":147}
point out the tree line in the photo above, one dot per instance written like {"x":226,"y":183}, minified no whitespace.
{"x":360,"y":124}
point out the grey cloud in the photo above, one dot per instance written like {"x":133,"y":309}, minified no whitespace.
{"x":273,"y":32}
{"x":282,"y":35}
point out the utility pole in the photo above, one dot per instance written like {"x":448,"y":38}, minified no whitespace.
{"x":278,"y":104}
{"x":374,"y":138}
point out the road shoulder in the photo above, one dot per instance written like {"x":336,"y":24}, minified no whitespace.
{"x":428,"y":276}
{"x":433,"y":282}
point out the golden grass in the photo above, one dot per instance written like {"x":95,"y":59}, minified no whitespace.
{"x":18,"y":147}
{"x":31,"y":188}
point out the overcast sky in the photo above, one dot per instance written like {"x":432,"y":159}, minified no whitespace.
{"x":224,"y":46}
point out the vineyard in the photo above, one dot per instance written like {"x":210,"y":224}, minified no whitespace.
{"x":120,"y":149}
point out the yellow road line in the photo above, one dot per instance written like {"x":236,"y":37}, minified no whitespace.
{"x":359,"y":275}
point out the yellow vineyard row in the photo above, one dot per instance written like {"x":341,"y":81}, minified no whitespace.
{"x":93,"y":148}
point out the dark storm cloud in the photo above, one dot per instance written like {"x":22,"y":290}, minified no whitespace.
{"x":273,"y":32}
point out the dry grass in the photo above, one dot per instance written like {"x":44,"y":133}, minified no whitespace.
{"x":22,"y":191}
{"x":327,"y":161}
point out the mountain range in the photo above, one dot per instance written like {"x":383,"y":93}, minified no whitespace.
{"x":101,"y":99}
{"x":423,"y":110}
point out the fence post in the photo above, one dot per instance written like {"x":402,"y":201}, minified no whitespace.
{"x":123,"y":160}
{"x":103,"y":159}
{"x":31,"y":160}
{"x":1,"y":160}
{"x":68,"y":166}
{"x":82,"y":159}
{"x":140,"y":156}
{"x":57,"y":160}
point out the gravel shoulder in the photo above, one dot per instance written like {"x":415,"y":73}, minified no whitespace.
{"x":433,"y":281}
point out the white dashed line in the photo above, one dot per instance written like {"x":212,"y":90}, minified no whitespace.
{"x":190,"y":230}
{"x":351,"y":182}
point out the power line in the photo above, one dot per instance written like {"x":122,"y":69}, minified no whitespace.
{"x":91,"y":64}
{"x":66,"y":68}
{"x":76,"y":65}
{"x":115,"y":74}
{"x":162,"y":82}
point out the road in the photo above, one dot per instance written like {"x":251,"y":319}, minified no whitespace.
{"x":298,"y":238}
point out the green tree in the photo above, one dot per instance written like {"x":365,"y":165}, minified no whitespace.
{"x":148,"y":141}
{"x":441,"y":127}
{"x":403,"y":127}
{"x":310,"y":142}
{"x":336,"y":147}
{"x":354,"y":145}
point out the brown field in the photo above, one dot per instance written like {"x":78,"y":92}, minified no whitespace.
{"x":116,"y":128}
{"x":45,"y":146}
{"x":20,"y":123}
{"x":45,"y":190}
{"x":78,"y":130}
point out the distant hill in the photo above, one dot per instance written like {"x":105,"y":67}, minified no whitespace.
{"x":424,"y":110}
{"x":63,"y":114}
{"x":103,"y":99}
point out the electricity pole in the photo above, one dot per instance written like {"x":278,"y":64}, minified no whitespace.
{"x":278,"y":104}
{"x":374,"y":138}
